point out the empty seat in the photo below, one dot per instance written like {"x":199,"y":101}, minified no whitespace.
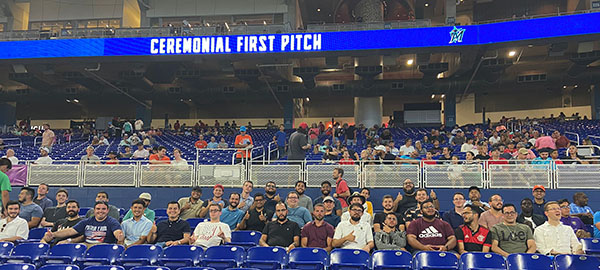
{"x":17,"y":266}
{"x":349,"y":259}
{"x":308,"y":258}
{"x":103,"y":254}
{"x":160,"y":212}
{"x":26,"y":253}
{"x":194,"y":222}
{"x":576,"y":262}
{"x":181,"y":256}
{"x":591,"y":246}
{"x":391,"y":260}
{"x":222,"y":257}
{"x":6,"y":248}
{"x":59,"y":267}
{"x":266,"y":257}
{"x":196,"y":268}
{"x":35,"y":235}
{"x":83,"y":211}
{"x":528,"y":261}
{"x":434,"y":260}
{"x":64,"y":254}
{"x":481,"y":260}
{"x":149,"y":267}
{"x":104,"y":267}
{"x":140,"y":255}
{"x":245,"y":238}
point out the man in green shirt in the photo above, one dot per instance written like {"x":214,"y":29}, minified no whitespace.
{"x":148,"y":213}
{"x":5,"y":187}
{"x":509,"y":236}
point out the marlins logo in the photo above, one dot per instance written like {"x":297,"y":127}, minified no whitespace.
{"x":456,"y":35}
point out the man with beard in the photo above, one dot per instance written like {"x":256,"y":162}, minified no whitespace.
{"x":390,"y":237}
{"x":579,"y":208}
{"x":342,"y":191}
{"x":380,"y":218}
{"x":475,"y":199}
{"x":298,"y":144}
{"x":136,"y":228}
{"x":317,"y":233}
{"x":296,"y":213}
{"x":303,"y":200}
{"x":493,"y":215}
{"x":357,"y":198}
{"x":511,"y":237}
{"x":430,"y":233}
{"x":113,"y":211}
{"x":257,"y":216}
{"x":527,"y":216}
{"x":471,"y":237}
{"x":72,"y":208}
{"x":353,"y":234}
{"x":416,"y":212}
{"x":554,"y":238}
{"x":330,"y":216}
{"x":13,"y":227}
{"x":231,"y":215}
{"x":191,"y":206}
{"x":539,"y":195}
{"x":213,"y":232}
{"x":281,"y":232}
{"x":271,"y":196}
{"x":29,"y":211}
{"x":326,"y":191}
{"x":403,"y":203}
{"x":217,"y":198}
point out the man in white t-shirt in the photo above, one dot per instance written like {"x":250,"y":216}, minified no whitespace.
{"x":141,"y":152}
{"x":214,"y":232}
{"x":13,"y":227}
{"x":407,"y":148}
{"x":10,"y":154}
{"x":139,"y":125}
{"x":353,"y":234}
{"x":44,"y":158}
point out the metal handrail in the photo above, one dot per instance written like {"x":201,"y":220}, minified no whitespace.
{"x":576,"y":135}
{"x":19,"y":142}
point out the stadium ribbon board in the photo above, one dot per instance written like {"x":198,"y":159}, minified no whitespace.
{"x":562,"y":26}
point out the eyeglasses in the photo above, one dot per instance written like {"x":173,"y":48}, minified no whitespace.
{"x":428,"y":207}
{"x":564,"y":207}
{"x":295,"y":198}
{"x":215,"y":210}
{"x":356,"y":210}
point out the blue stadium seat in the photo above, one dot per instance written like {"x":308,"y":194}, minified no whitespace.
{"x":576,"y":262}
{"x":104,"y":267}
{"x":519,"y":261}
{"x":26,"y":253}
{"x":266,"y":257}
{"x":181,"y":256}
{"x":349,"y":259}
{"x":140,"y":255}
{"x":160,"y":212}
{"x":391,"y":260}
{"x":149,"y":267}
{"x":158,"y":219}
{"x":308,"y":258}
{"x":222,"y":257}
{"x":59,"y":267}
{"x":243,"y":268}
{"x":434,"y":260}
{"x":17,"y":266}
{"x":481,"y":261}
{"x":591,"y":246}
{"x":64,"y":254}
{"x":6,"y":248}
{"x":103,"y":254}
{"x":194,"y":222}
{"x":196,"y":268}
{"x":245,"y":238}
{"x":84,"y":210}
{"x":35,"y":235}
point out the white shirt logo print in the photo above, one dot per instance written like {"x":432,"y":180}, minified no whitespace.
{"x":430,"y":232}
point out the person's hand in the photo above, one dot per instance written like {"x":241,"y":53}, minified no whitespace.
{"x":120,"y":236}
{"x":590,"y":215}
{"x":366,"y":248}
{"x":169,"y":243}
{"x":432,"y":195}
{"x":221,"y":234}
{"x":241,"y":204}
{"x":186,"y":206}
{"x":335,"y":195}
{"x":63,"y":242}
{"x":290,"y":247}
{"x":193,"y":239}
{"x":48,"y":236}
{"x":429,"y":248}
{"x":351,"y":237}
{"x":153,"y":229}
{"x":262,"y":217}
{"x":247,"y":216}
{"x":443,"y":248}
{"x":399,"y":196}
{"x":478,"y":203}
{"x":277,"y":198}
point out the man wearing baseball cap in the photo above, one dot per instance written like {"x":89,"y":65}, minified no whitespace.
{"x":298,"y":143}
{"x":244,"y":142}
{"x":217,"y":198}
{"x":539,"y":193}
{"x":44,"y":158}
{"x":148,"y":213}
{"x":191,"y":206}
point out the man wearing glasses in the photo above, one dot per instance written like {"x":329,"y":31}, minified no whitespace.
{"x":13,"y":228}
{"x":271,"y":196}
{"x":430,"y":233}
{"x":213,"y":232}
{"x":511,"y":237}
{"x":257,"y":216}
{"x":296,"y":213}
{"x":471,"y":237}
{"x":353,"y":234}
{"x":282,"y":232}
{"x":493,"y":215}
{"x":552,"y":237}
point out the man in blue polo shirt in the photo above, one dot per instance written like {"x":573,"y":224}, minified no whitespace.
{"x":138,"y":226}
{"x":231,"y":215}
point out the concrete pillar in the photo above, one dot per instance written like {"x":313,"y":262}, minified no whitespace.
{"x":144,"y":113}
{"x":368,"y":111}
{"x":288,"y":112}
{"x":450,"y":109}
{"x":595,"y":101}
{"x":369,"y":10}
{"x":450,"y":12}
{"x":8,"y":113}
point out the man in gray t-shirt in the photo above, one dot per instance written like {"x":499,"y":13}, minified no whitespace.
{"x":30,"y":211}
{"x":511,"y":237}
{"x":298,"y":143}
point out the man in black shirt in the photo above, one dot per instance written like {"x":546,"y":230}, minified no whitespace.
{"x":388,"y":207}
{"x":271,"y":196}
{"x":281,"y":232}
{"x":326,"y":191}
{"x":403,"y":203}
{"x":171,"y":232}
{"x":471,"y":237}
{"x":257,"y":216}
{"x":350,"y":133}
{"x":72,"y":209}
{"x":298,"y":144}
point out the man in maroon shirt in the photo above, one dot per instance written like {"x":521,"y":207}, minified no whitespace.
{"x":317,"y":233}
{"x":430,"y":233}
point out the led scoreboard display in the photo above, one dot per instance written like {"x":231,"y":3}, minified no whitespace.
{"x":448,"y":36}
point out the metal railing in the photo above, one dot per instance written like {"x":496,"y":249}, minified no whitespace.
{"x":526,"y":174}
{"x":12,"y":142}
{"x":576,"y":136}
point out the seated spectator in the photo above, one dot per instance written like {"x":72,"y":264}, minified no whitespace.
{"x":325,"y":192}
{"x":231,"y":215}
{"x":543,"y":158}
{"x":13,"y":227}
{"x":214,"y":232}
{"x":90,"y":157}
{"x":192,"y":205}
{"x":171,"y":232}
{"x":429,"y":158}
{"x":393,"y":150}
{"x":148,"y":213}
{"x":407,"y":148}
{"x":527,"y":216}
{"x":468,"y":146}
{"x":160,"y":157}
{"x":41,"y":199}
{"x":103,"y":141}
{"x":141,"y":152}
{"x":357,"y":198}
{"x":257,"y":215}
{"x":99,"y":229}
{"x":179,"y":162}
{"x":113,"y":211}
{"x":326,"y":144}
{"x":71,"y":219}
{"x":281,"y":232}
{"x":495,"y":158}
{"x":354,"y":234}
{"x":331,"y":216}
{"x":223,"y":144}
{"x":295,"y":213}
{"x":597,"y":224}
{"x":380,"y":218}
{"x":44,"y":158}
{"x":10,"y":154}
{"x":217,"y":198}
{"x":471,"y":237}
{"x":554,"y":157}
{"x":134,"y":139}
{"x":572,"y":157}
{"x":137,"y":227}
{"x":436,"y":150}
{"x":416,"y":212}
{"x":382,"y":154}
{"x":112,"y":158}
{"x":213,"y":144}
{"x":95,"y":141}
{"x":545,"y":142}
{"x":575,"y":223}
{"x":53,"y":214}
{"x":579,"y":208}
{"x":125,"y":141}
{"x":430,"y":233}
{"x":494,"y":215}
{"x":346,"y":159}
{"x":454,"y":216}
{"x":482,"y":150}
{"x":510,"y":237}
{"x":303,"y":199}
{"x":539,"y":193}
{"x":458,"y":139}
{"x":389,"y":237}
{"x":419,"y":148}
{"x":200,"y":143}
{"x":365,"y":192}
{"x":29,"y":211}
{"x":317,"y":233}
{"x":554,"y":238}
{"x":127,"y":154}
{"x":560,"y":140}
